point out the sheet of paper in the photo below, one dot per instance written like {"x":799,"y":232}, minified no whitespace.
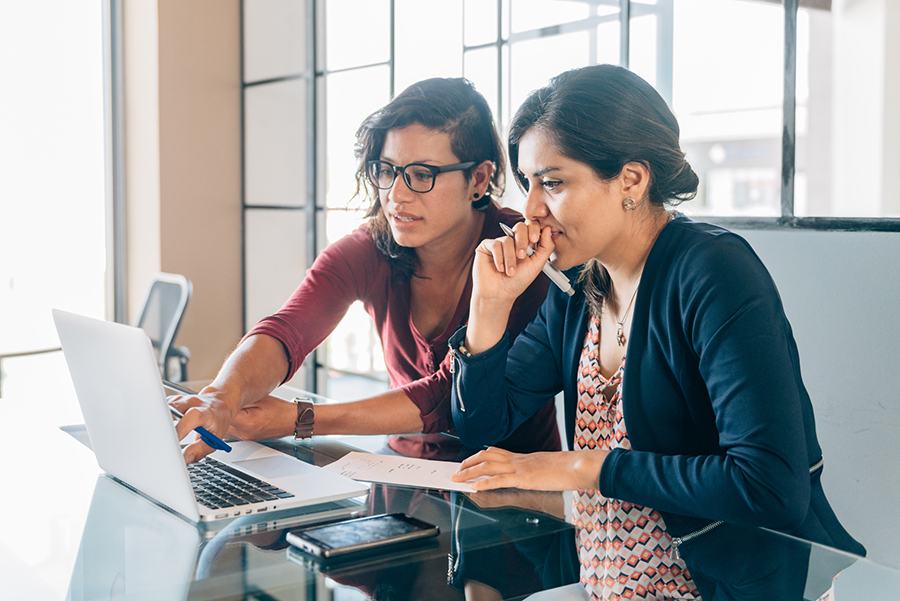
{"x":403,"y":471}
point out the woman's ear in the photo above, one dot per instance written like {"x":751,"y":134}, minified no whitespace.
{"x":481,"y":179}
{"x":635,"y":178}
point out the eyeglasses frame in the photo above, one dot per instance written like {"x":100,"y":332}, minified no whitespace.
{"x":435,"y":171}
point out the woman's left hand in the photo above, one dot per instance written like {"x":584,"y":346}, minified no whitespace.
{"x":266,"y":419}
{"x":556,"y":470}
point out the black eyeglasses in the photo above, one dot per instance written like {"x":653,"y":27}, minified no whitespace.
{"x":418,"y":177}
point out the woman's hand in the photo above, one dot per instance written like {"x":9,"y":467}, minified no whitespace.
{"x":503,"y":270}
{"x":266,"y":419}
{"x":555,"y":470}
{"x":501,"y":273}
{"x":207,"y":409}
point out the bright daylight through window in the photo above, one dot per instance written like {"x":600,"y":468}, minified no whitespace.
{"x":52,"y":178}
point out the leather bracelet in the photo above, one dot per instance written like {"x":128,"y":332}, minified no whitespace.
{"x":306,"y":418}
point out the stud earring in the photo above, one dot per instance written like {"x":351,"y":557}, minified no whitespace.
{"x":628,"y":204}
{"x":477,"y":195}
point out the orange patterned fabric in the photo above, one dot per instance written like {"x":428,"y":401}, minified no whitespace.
{"x":623,"y":548}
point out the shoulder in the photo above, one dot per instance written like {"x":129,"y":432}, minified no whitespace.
{"x":355,"y":257}
{"x":701,"y":252}
{"x":353,"y":247}
{"x":710,"y":277}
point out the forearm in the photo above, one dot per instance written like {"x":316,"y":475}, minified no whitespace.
{"x":274,"y":417}
{"x":250,"y":373}
{"x":745,"y":488}
{"x":480,"y":416}
{"x":487,"y":324}
{"x":392,"y":412}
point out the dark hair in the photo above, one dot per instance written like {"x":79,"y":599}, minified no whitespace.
{"x":605,"y":116}
{"x":450,"y":105}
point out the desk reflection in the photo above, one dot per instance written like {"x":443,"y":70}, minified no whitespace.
{"x":505,"y":560}
{"x":132,"y":549}
{"x":499,"y":545}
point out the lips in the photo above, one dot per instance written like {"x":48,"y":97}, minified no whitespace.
{"x":401,"y":220}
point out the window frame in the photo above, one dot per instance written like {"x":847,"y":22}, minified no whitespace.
{"x":315,"y":75}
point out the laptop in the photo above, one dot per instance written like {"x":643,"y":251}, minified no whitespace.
{"x":118,"y":385}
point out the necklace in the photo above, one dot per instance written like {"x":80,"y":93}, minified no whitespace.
{"x":620,"y":331}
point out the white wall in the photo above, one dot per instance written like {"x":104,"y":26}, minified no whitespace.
{"x":841,"y":292}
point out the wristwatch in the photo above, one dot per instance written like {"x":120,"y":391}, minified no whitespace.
{"x":306,"y":417}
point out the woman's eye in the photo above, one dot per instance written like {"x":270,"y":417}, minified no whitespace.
{"x":550,"y":184}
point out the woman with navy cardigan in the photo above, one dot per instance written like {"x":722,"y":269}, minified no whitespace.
{"x":684,"y":404}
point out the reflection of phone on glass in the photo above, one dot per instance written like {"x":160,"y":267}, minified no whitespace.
{"x":361,"y":534}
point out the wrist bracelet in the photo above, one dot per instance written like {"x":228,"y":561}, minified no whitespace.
{"x":306,"y":417}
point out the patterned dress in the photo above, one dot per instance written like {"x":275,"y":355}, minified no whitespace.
{"x":623,"y":548}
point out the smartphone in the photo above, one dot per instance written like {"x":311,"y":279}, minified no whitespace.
{"x":426,"y":549}
{"x":361,"y":534}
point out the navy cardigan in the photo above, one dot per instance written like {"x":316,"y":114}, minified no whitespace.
{"x":720,"y":424}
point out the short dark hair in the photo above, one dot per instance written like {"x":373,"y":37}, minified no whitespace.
{"x":605,"y":116}
{"x":450,"y":105}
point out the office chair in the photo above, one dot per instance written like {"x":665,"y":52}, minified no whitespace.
{"x":164,"y":306}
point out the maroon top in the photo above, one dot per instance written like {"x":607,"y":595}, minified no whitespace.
{"x":352,"y":269}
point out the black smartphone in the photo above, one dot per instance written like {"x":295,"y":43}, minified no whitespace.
{"x":361,"y":534}
{"x":426,"y":549}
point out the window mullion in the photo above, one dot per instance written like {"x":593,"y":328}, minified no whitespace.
{"x":624,"y":32}
{"x":312,"y":168}
{"x":789,"y":125}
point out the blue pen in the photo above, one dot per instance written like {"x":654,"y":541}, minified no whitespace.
{"x":205,"y":435}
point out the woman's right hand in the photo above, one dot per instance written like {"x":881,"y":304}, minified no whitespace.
{"x":207,"y":409}
{"x":501,"y":273}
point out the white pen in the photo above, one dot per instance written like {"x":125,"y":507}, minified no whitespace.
{"x":555,"y":275}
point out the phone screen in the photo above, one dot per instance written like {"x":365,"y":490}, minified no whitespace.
{"x":360,"y":534}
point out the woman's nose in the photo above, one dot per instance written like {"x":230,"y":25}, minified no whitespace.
{"x":399,"y":192}
{"x":534,"y":206}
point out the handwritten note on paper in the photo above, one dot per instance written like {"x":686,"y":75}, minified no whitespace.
{"x":403,"y":471}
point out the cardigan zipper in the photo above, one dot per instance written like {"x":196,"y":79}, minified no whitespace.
{"x":454,"y":370}
{"x":677,"y":541}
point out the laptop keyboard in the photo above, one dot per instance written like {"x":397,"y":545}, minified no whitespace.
{"x":217,"y":485}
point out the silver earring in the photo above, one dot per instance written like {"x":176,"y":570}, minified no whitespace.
{"x":628,"y":204}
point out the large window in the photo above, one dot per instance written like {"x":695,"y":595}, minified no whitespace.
{"x":52,"y":183}
{"x":803,"y":138}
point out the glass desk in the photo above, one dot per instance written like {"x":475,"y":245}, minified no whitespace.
{"x":73,"y":533}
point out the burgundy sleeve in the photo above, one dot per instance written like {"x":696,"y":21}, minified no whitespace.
{"x":431,"y":395}
{"x":342,"y":274}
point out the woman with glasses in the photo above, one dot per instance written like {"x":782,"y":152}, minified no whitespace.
{"x":688,"y":416}
{"x":430,"y":164}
